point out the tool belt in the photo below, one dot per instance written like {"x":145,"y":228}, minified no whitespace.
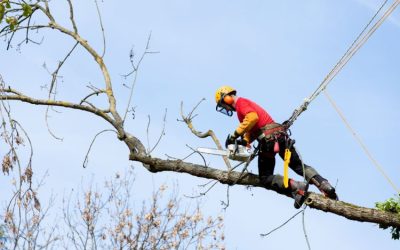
{"x":271,"y":131}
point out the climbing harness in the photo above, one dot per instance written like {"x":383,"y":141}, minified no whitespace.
{"x":271,"y":133}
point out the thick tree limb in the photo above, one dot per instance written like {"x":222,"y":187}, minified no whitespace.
{"x":313,"y":200}
{"x":353,"y":212}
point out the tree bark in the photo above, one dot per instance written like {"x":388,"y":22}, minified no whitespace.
{"x":313,"y":200}
{"x":351,"y":211}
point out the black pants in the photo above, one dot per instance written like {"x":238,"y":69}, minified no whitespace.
{"x":266,"y":165}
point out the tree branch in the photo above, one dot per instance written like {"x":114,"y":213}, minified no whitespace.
{"x":23,"y":98}
{"x":107,"y":79}
{"x":188,"y":120}
{"x":317,"y":201}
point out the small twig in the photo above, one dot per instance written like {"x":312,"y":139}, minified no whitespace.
{"x":48,"y":126}
{"x":52,"y":94}
{"x":102,"y":28}
{"x":190,"y":116}
{"x":97,"y":92}
{"x":91,"y":144}
{"x":132,"y":111}
{"x":176,"y":158}
{"x":135,"y":72}
{"x":206,"y":184}
{"x":237,"y":165}
{"x":252,"y":156}
{"x":161,"y":134}
{"x":147,"y":132}
{"x":215,"y":183}
{"x":27,"y":30}
{"x":202,"y":193}
{"x":201,"y":155}
{"x":71,"y":16}
{"x":10,"y":40}
{"x":283,"y":224}
{"x":60,"y":64}
{"x":226,"y":204}
{"x":32,"y":41}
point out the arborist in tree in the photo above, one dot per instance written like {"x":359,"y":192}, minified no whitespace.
{"x":273,"y":138}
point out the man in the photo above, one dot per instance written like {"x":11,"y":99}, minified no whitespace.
{"x":257,"y":124}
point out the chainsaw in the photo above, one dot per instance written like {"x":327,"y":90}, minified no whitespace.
{"x":235,"y":152}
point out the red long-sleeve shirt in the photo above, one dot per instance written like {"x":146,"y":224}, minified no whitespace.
{"x":252,"y":117}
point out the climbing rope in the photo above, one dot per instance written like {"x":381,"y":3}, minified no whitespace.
{"x":358,"y":139}
{"x":355,"y":46}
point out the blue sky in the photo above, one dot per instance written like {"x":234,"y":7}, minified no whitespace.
{"x":274,"y":52}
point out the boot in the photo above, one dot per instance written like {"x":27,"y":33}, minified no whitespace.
{"x":325,"y":187}
{"x":299,"y":190}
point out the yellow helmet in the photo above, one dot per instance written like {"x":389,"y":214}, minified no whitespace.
{"x":222,"y":92}
{"x":224,"y":100}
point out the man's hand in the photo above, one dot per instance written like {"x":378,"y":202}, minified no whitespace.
{"x":230,"y":140}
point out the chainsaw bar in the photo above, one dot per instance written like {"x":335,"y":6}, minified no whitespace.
{"x":214,"y":151}
{"x":237,"y":153}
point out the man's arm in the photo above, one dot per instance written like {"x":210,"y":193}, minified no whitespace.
{"x":244,"y":128}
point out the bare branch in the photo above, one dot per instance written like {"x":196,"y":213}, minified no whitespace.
{"x":91,"y":144}
{"x":283,"y":224}
{"x":188,"y":120}
{"x":71,"y":16}
{"x":107,"y":79}
{"x":60,"y":64}
{"x":90,"y":95}
{"x":46,"y":10}
{"x":102,"y":28}
{"x":23,"y":98}
{"x":227,"y":203}
{"x":135,"y":72}
{"x":350,"y":211}
{"x":161,"y":134}
{"x":201,"y":155}
{"x":147,"y":132}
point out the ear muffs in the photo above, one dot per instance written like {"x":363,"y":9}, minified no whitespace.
{"x":228,"y":99}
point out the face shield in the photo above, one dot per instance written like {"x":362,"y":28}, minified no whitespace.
{"x":224,"y":109}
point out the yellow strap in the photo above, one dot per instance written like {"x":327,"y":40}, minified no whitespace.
{"x":286,"y":162}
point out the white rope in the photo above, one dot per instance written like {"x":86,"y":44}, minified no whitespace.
{"x":357,"y":44}
{"x":360,"y":142}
